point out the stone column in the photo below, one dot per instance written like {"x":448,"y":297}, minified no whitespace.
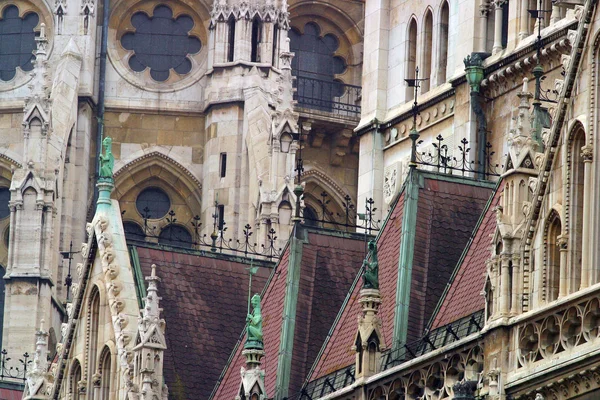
{"x":555,"y":16}
{"x":504,"y":287}
{"x":587,"y":278}
{"x":498,"y":25}
{"x":516,"y":279}
{"x":484,"y":12}
{"x":524,"y":23}
{"x":562,"y":243}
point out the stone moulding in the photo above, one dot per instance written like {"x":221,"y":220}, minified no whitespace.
{"x":169,"y":160}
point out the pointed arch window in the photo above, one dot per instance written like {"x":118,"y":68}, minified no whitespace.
{"x":427,"y":50}
{"x":443,"y":52}
{"x":411,"y":55}
{"x":175,"y":235}
{"x":93,"y":327}
{"x":256,"y":40}
{"x":74,"y":380}
{"x":553,"y":231}
{"x":230,"y":38}
{"x":105,"y":374}
{"x":576,"y":207}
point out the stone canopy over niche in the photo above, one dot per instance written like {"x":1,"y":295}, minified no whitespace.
{"x":161,"y":43}
{"x":159,"y":47}
{"x":17,"y":41}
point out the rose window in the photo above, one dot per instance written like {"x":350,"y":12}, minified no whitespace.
{"x":161,"y":43}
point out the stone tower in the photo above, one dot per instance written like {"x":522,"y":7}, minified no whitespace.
{"x":250,"y":118}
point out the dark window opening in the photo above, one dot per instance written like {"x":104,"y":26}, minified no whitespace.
{"x":221,"y":216}
{"x":315,"y":66}
{"x":231,"y":39}
{"x":17,"y":42}
{"x":133,"y":232}
{"x":275,"y":45}
{"x":153,"y":203}
{"x":256,"y":40}
{"x":161,"y":43}
{"x":310,"y":216}
{"x":175,"y":235}
{"x":223,"y":165}
{"x":4,"y":199}
{"x":504,"y":24}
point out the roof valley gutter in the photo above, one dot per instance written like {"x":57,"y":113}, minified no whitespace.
{"x":101,"y":91}
{"x":405,"y":262}
{"x":463,"y":255}
{"x":290,"y":305}
{"x":393,"y":205}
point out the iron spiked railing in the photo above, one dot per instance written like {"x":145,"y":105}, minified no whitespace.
{"x":346,"y":220}
{"x":14,"y":371}
{"x":445,"y":160}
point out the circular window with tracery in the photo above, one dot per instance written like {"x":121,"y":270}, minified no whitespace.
{"x":159,"y":47}
{"x":153,"y":203}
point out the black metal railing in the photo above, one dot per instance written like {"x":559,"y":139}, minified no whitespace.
{"x":457,"y":160}
{"x":175,"y":235}
{"x":348,"y":220}
{"x":328,"y":96}
{"x":433,"y":340}
{"x":14,"y":371}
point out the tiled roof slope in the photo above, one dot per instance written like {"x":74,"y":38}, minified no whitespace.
{"x":205,"y":303}
{"x":446,"y":215}
{"x":464,"y":295}
{"x":328,"y":267}
{"x":337,"y":353}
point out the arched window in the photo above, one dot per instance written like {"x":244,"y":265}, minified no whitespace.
{"x":427,"y":50}
{"x":104,"y":368}
{"x":74,"y":380}
{"x":443,"y":47}
{"x":275,"y":55}
{"x":93,"y":325}
{"x":316,"y":66}
{"x":256,"y":40}
{"x":231,"y":38}
{"x":310,"y":216}
{"x":4,"y":199}
{"x":576,"y":206}
{"x":133,"y":232}
{"x":411,"y":55}
{"x":554,"y":229}
{"x":175,"y":235}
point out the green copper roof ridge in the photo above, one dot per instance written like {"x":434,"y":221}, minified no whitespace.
{"x":140,"y":288}
{"x":290,"y":306}
{"x":406,"y":256}
{"x":338,"y":317}
{"x":241,"y":337}
{"x":463,"y":255}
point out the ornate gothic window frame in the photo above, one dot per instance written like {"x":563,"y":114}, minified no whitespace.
{"x":120,"y":24}
{"x":45,"y":16}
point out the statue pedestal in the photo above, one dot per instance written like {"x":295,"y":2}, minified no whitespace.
{"x":370,"y":300}
{"x":253,"y":357}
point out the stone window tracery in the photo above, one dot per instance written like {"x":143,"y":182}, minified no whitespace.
{"x":316,"y":65}
{"x":17,"y":41}
{"x":161,"y":43}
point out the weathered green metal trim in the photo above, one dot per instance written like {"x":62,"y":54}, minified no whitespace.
{"x":290,"y":303}
{"x":140,"y":288}
{"x":407,"y":246}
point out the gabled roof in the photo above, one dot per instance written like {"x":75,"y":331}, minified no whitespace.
{"x":463,"y":296}
{"x":328,"y":266}
{"x":447,"y":211}
{"x":205,"y":304}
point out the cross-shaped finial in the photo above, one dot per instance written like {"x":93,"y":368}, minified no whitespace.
{"x":415,"y":83}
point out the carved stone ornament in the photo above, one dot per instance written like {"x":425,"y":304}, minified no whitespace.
{"x":390,"y":182}
{"x":587,"y":153}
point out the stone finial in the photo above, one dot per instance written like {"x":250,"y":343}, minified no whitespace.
{"x":150,"y":346}
{"x":368,"y":341}
{"x":36,"y":375}
{"x":253,"y":377}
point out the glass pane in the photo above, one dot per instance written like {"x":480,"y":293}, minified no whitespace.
{"x":153,"y":203}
